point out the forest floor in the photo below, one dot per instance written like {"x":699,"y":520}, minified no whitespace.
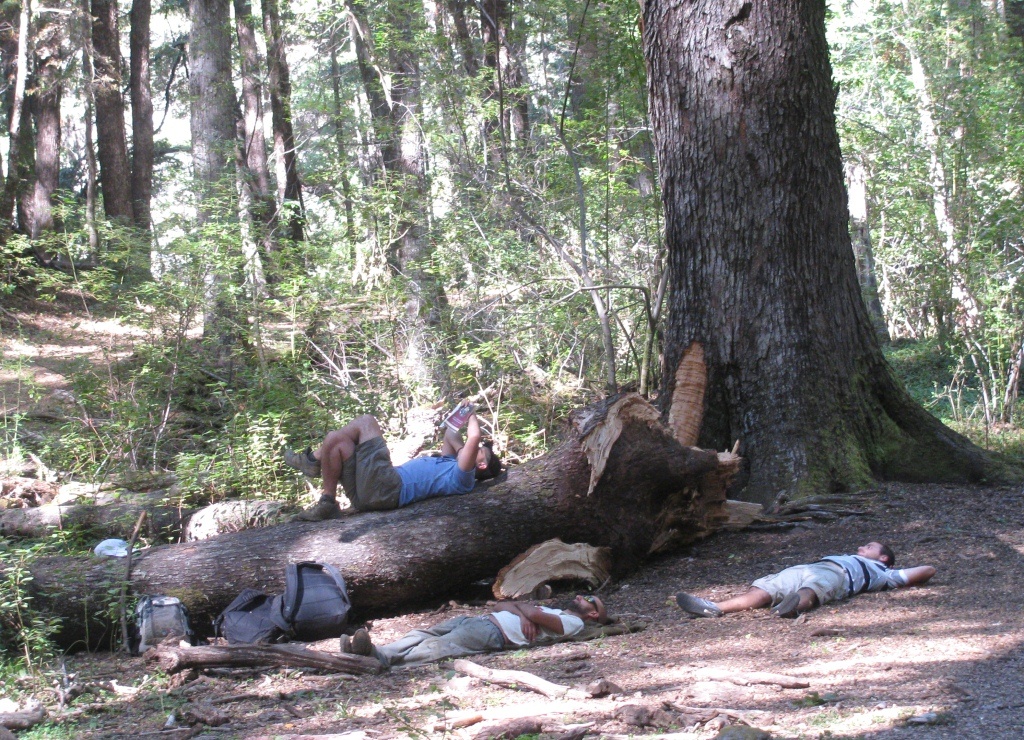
{"x":939,"y":661}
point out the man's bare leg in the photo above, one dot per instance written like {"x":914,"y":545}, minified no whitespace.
{"x":755,"y":598}
{"x":338,"y":447}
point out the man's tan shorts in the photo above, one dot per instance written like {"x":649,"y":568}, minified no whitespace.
{"x":827,"y":580}
{"x":369,"y":479}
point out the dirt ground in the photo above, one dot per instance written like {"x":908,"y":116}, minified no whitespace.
{"x":939,"y":661}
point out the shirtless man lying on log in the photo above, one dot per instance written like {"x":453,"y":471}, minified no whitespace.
{"x":357,"y":457}
{"x":512,"y":625}
{"x":802,"y":587}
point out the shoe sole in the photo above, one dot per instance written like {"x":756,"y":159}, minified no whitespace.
{"x":361,"y":642}
{"x":788,"y":608}
{"x":693,"y":606}
{"x":295,"y":460}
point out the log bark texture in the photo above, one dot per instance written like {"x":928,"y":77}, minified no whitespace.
{"x":427,"y":551}
{"x":112,"y":520}
{"x":173,"y":659}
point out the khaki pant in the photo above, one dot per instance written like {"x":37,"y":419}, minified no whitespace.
{"x":369,"y":479}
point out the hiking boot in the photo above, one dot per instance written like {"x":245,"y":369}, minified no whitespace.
{"x":697,"y":606}
{"x":789,"y":607}
{"x":321,"y":511}
{"x":304,"y":462}
{"x":345,"y":644}
{"x":361,"y":644}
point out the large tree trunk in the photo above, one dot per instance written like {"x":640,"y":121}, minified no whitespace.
{"x":47,"y":97}
{"x":280,"y":86}
{"x":762,"y":270}
{"x":426,"y":552}
{"x":212,"y":122}
{"x":115,"y":173}
{"x":12,"y":184}
{"x":142,"y":115}
{"x":254,"y":171}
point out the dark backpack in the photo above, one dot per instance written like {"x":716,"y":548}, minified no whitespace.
{"x":247,"y":619}
{"x":156,"y":619}
{"x":314,"y":606}
{"x":315,"y":603}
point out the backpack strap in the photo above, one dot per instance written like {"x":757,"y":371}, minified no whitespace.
{"x":336,"y":575}
{"x":292,"y":591}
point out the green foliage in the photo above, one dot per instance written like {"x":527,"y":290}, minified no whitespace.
{"x":24,"y":633}
{"x":930,"y":104}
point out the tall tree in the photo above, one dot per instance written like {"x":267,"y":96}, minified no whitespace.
{"x":50,"y":30}
{"x":212,"y":121}
{"x":142,"y":114}
{"x":392,"y":82}
{"x":16,"y":49}
{"x":762,"y":272}
{"x":279,"y":83}
{"x":115,"y":172}
{"x":860,"y":235}
{"x":255,"y":176}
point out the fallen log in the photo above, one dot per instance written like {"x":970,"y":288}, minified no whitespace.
{"x":173,"y":659}
{"x":428,"y":551}
{"x":518,"y":679}
{"x":24,"y":719}
{"x":99,"y":520}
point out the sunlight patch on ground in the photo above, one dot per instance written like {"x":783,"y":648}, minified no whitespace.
{"x":837,"y":720}
{"x":1012,"y":539}
{"x":15,"y":348}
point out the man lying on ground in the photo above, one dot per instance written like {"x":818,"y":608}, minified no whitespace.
{"x":802,"y":587}
{"x":357,"y":456}
{"x":512,"y":625}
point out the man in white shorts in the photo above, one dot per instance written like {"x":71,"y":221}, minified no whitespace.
{"x":802,"y":587}
{"x":512,"y":625}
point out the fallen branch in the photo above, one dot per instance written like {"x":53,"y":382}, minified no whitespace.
{"x":743,"y":715}
{"x":173,"y":659}
{"x":125,"y":642}
{"x":753,"y":677}
{"x":510,"y":729}
{"x":22,"y":720}
{"x":465,"y":718}
{"x":518,"y":679}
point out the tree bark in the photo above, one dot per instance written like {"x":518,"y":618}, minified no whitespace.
{"x":428,"y":551}
{"x":175,"y":659}
{"x":254,"y":174}
{"x":212,"y":122}
{"x":17,"y":114}
{"x":340,"y":147}
{"x":762,"y":271}
{"x":47,"y":97}
{"x":142,"y":115}
{"x":280,"y":86}
{"x":91,"y":176}
{"x":113,"y":520}
{"x":864,"y":257}
{"x":115,"y":172}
